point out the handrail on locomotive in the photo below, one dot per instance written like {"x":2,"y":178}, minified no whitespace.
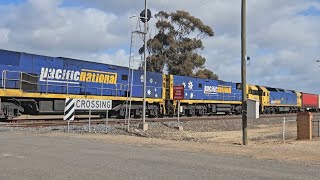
{"x":68,"y":85}
{"x":118,"y":86}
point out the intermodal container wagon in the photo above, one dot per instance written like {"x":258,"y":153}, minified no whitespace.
{"x":310,"y":100}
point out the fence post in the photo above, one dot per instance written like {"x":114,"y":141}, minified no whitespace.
{"x":318,"y":128}
{"x":304,"y":126}
{"x":107,"y":116}
{"x":284,"y":129}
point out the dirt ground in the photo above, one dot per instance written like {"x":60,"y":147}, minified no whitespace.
{"x":265,"y":141}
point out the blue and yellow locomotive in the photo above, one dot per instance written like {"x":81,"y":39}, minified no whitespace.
{"x":204,"y":96}
{"x":36,"y":84}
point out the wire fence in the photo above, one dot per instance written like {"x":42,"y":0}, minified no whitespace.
{"x":293,"y":123}
{"x":316,"y":127}
{"x":288,"y":133}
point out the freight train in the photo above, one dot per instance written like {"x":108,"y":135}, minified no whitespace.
{"x":36,"y":84}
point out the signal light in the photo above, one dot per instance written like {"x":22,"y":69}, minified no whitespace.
{"x":142,"y":15}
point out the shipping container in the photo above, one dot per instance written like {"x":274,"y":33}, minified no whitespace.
{"x":310,"y":100}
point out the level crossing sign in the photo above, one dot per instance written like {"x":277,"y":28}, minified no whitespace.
{"x":178,"y":92}
{"x":69,"y":110}
{"x":84,"y":104}
{"x":92,"y":104}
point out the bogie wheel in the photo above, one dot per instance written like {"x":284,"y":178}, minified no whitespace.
{"x":273,"y":111}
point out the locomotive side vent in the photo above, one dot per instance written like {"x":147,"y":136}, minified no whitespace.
{"x":29,"y":82}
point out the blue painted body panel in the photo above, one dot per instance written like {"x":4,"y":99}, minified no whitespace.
{"x":206,"y":89}
{"x":283,"y":98}
{"x":55,"y":75}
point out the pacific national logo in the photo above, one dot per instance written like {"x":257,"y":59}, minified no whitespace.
{"x":74,"y":77}
{"x":210,"y":89}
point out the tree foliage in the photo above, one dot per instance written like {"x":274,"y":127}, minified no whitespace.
{"x":177,"y":45}
{"x":206,"y":73}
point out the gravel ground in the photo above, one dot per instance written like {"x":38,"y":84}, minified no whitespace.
{"x":224,"y":130}
{"x":75,"y":129}
{"x":197,"y":131}
{"x":216,"y":136}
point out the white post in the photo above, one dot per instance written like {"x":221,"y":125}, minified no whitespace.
{"x":107,"y":114}
{"x":178,"y":113}
{"x":284,"y":130}
{"x":90,"y":120}
{"x":129,"y":114}
{"x":68,"y":126}
{"x":318,"y":128}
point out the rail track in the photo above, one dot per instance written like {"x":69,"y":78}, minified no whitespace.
{"x":46,"y":121}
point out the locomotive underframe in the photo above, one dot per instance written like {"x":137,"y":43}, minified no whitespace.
{"x":9,"y":109}
{"x":200,"y":109}
{"x":12,"y":107}
{"x":279,"y":109}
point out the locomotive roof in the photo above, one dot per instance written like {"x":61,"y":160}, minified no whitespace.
{"x":64,"y":58}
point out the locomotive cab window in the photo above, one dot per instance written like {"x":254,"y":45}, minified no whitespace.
{"x":253,"y":92}
{"x":200,"y":85}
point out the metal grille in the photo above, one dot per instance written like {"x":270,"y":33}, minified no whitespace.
{"x":29,"y":82}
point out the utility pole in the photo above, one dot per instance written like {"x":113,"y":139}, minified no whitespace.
{"x":144,"y":125}
{"x":244,"y":73}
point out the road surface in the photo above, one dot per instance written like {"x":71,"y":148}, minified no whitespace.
{"x":42,"y":157}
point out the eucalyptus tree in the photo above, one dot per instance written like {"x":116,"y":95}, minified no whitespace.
{"x":177,"y":45}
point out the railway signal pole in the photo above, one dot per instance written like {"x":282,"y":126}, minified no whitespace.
{"x":144,"y":125}
{"x":244,"y":72}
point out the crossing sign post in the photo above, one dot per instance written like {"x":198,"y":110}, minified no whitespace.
{"x":71,"y":105}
